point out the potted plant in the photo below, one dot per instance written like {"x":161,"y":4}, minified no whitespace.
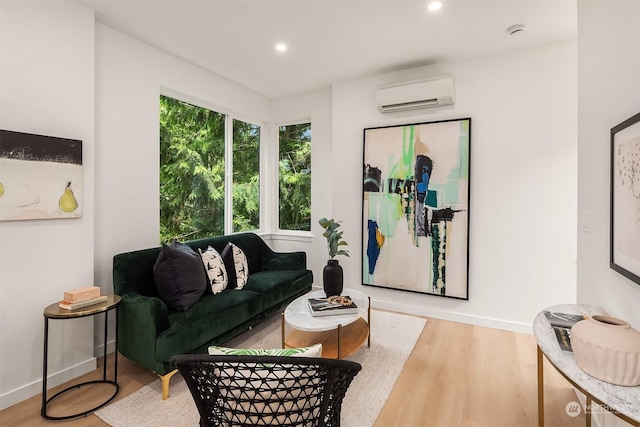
{"x":332,"y":276}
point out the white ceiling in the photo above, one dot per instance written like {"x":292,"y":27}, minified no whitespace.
{"x":331,"y":40}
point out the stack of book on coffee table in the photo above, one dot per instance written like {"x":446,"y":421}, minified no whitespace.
{"x":333,"y":305}
{"x":81,"y":298}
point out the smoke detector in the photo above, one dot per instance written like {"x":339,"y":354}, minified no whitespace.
{"x":516,"y":29}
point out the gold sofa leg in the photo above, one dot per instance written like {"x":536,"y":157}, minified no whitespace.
{"x":165,"y":383}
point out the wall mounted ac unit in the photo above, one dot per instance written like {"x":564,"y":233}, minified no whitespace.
{"x":433,"y":92}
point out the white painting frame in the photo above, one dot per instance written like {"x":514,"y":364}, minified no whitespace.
{"x":40,"y":177}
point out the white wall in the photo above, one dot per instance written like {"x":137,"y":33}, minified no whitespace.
{"x":608,"y":93}
{"x":46,"y":87}
{"x":523,"y":172}
{"x":316,"y":107}
{"x":130,"y":76}
{"x":529,"y":262}
{"x":523,"y":181}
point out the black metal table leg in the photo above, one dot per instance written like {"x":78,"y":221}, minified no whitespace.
{"x":54,"y":312}
{"x":43,"y":411}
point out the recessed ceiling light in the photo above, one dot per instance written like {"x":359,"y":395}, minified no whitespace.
{"x":434,"y":5}
{"x":281,"y":47}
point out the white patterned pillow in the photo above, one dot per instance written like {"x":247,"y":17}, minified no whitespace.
{"x":216,"y":272}
{"x":313,"y":351}
{"x":235,"y":261}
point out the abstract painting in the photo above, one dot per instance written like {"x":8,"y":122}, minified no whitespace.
{"x":416,"y":207}
{"x":625,"y":199}
{"x":40,"y":177}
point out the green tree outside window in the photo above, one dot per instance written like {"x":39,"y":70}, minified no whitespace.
{"x":192,"y":172}
{"x":295,"y":177}
{"x":246,"y":176}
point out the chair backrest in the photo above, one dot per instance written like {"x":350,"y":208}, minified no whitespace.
{"x":266,"y":390}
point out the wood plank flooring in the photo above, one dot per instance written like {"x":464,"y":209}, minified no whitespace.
{"x":458,"y":375}
{"x":462,"y":375}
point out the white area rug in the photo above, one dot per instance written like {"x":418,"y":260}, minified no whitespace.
{"x":393,"y":337}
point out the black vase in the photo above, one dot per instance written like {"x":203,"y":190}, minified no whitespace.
{"x":332,"y":278}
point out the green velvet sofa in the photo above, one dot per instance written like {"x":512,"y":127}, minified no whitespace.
{"x":150,"y":334}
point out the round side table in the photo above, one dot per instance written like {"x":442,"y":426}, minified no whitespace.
{"x":53,"y":311}
{"x":341,"y":334}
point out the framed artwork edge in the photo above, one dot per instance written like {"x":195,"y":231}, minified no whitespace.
{"x":465,"y":298}
{"x":466,"y":200}
{"x":41,"y":177}
{"x":632,"y":123}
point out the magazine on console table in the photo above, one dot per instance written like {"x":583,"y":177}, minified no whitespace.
{"x":332,"y":306}
{"x":561,"y":324}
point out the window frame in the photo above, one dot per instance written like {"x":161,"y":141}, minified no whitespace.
{"x":261,"y":175}
{"x":228,"y":147}
{"x":286,"y":234}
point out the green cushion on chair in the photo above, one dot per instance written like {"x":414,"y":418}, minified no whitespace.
{"x":312,"y":351}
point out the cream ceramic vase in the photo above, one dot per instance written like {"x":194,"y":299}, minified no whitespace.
{"x":608,"y":349}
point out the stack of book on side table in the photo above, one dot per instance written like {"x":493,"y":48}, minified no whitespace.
{"x":81,"y":298}
{"x":561,"y":324}
{"x":330,"y":306}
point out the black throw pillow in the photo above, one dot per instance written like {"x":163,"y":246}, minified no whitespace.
{"x":179,"y":275}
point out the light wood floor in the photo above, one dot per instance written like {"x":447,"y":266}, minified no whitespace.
{"x":458,"y":375}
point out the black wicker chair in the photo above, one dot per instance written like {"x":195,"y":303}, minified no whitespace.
{"x":266,"y":390}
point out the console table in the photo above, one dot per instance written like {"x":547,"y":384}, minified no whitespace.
{"x":53,"y":311}
{"x":624,"y":402}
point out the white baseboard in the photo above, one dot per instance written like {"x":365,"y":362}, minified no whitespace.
{"x":525,"y":328}
{"x":22,"y":393}
{"x":454,"y":317}
{"x":99,"y":350}
{"x":54,"y":379}
{"x":29,"y":390}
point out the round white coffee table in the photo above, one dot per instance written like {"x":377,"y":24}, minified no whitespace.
{"x":339,"y":334}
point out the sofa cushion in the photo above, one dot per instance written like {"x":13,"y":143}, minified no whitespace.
{"x":210,"y":317}
{"x":235,"y":262}
{"x":179,"y":276}
{"x":214,"y":266}
{"x":277,"y":286}
{"x":284,"y":261}
{"x":252,"y":245}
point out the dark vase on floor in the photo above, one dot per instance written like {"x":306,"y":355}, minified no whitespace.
{"x":332,"y":278}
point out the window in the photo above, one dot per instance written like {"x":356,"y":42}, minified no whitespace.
{"x":246,"y":176}
{"x":294,"y":177}
{"x":195,"y":155}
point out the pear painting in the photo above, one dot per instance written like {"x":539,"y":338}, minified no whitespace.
{"x":40,"y":177}
{"x":68,"y":202}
